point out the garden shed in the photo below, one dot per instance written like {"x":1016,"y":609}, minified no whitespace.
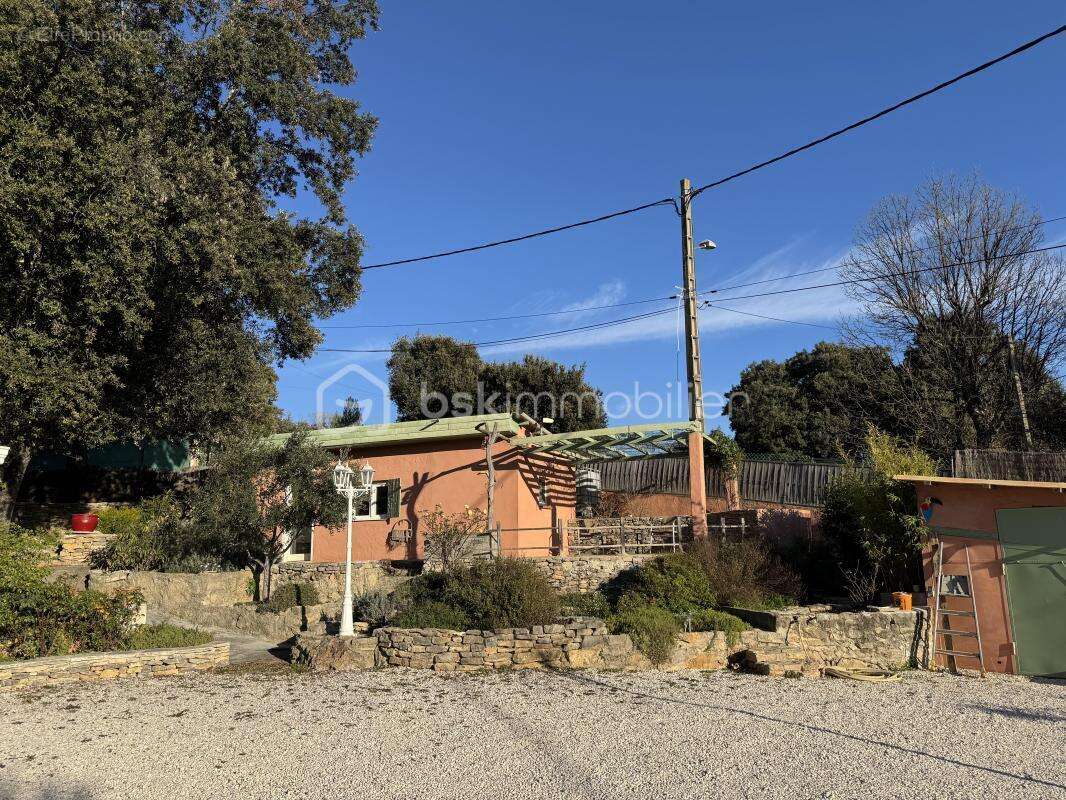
{"x":1003,"y":575}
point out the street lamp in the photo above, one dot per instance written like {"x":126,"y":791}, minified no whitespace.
{"x":4,"y":450}
{"x":344,"y":481}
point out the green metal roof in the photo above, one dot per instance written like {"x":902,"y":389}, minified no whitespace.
{"x":622,"y":443}
{"x":423,"y":430}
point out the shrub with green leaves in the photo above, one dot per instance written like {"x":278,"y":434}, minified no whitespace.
{"x":652,"y":629}
{"x":431,"y":614}
{"x":710,"y":620}
{"x":502,"y":593}
{"x":290,"y":595}
{"x":676,"y":582}
{"x":38,"y":618}
{"x":746,"y":573}
{"x":585,"y":604}
{"x":150,"y":637}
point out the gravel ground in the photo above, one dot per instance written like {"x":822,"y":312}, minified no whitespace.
{"x":267,"y":733}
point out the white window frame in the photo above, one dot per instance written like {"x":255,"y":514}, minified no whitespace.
{"x":375,"y":515}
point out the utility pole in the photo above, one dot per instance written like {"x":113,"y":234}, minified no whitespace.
{"x":697,"y":479}
{"x":491,"y":436}
{"x":1018,"y":389}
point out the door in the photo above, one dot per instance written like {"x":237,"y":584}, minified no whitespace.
{"x":1034,"y":561}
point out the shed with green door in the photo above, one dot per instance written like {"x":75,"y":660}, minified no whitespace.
{"x":1004,"y":555}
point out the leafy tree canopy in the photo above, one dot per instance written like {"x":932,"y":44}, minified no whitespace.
{"x":148,"y":275}
{"x":454,"y":381}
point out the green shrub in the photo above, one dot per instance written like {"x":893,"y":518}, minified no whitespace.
{"x":290,"y":595}
{"x":579,"y":604}
{"x":149,"y":637}
{"x":375,"y":606}
{"x":502,"y":593}
{"x":652,"y":629}
{"x":711,"y":620}
{"x":431,"y":614}
{"x":676,"y":582}
{"x":746,"y":573}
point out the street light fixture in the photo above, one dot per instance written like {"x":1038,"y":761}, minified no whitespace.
{"x":344,"y":481}
{"x":4,"y":450}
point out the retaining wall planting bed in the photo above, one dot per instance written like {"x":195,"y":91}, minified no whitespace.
{"x":802,"y":642}
{"x":106,"y":666}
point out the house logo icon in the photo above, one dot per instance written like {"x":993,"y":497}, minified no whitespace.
{"x":375,"y":395}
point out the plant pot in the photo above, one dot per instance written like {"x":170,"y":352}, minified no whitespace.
{"x":84,"y":523}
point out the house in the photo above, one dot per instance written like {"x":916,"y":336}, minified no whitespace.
{"x":1004,"y":556}
{"x":419,"y":465}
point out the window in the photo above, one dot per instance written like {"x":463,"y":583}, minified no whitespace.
{"x":299,"y":547}
{"x":957,"y":585}
{"x":374,"y":505}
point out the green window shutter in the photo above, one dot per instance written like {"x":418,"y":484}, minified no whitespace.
{"x":394,"y":498}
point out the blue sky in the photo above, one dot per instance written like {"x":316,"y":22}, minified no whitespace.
{"x":502,"y":118}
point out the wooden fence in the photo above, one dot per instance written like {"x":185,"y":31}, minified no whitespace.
{"x":1009,"y":465}
{"x":585,"y":536}
{"x":784,"y":482}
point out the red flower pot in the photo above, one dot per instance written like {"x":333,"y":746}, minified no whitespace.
{"x":84,"y":523}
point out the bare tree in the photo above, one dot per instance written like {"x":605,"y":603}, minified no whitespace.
{"x":947,"y":276}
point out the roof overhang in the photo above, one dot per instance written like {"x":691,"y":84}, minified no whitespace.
{"x":415,"y":432}
{"x":988,"y":483}
{"x":623,"y":443}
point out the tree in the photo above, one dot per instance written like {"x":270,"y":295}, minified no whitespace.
{"x":348,"y":416}
{"x":947,"y":277}
{"x":816,"y":404}
{"x":148,"y":276}
{"x":257,"y":495}
{"x":440,"y":376}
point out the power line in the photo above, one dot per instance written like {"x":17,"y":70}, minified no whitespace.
{"x":531,"y":337}
{"x":708,"y":304}
{"x":670,"y":201}
{"x":883,"y":112}
{"x":891,"y":274}
{"x":873,"y":260}
{"x":501,"y":319}
{"x":522,"y":238}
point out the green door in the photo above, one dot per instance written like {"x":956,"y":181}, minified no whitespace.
{"x":1034,"y":560}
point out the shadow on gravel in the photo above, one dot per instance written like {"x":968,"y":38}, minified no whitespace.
{"x":1022,"y":713}
{"x":588,"y":679}
{"x":46,"y":791}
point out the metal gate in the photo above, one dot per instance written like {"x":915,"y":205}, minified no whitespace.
{"x":1034,"y":561}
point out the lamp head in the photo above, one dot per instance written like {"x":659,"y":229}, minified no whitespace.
{"x":366,"y":475}
{"x":707,"y":244}
{"x":342,"y":476}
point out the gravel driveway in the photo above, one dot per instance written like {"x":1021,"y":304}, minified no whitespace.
{"x":406,"y":734}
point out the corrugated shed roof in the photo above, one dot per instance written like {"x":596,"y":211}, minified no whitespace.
{"x":423,"y":430}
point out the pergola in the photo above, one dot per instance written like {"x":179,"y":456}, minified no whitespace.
{"x":622,"y":443}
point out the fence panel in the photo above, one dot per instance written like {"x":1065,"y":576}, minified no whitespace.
{"x":1010,"y":465}
{"x":783,"y":482}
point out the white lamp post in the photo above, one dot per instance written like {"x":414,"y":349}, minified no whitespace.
{"x":344,"y":480}
{"x":4,"y":450}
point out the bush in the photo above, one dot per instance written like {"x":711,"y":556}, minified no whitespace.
{"x":290,"y":595}
{"x":652,"y":629}
{"x":711,"y":620}
{"x":502,"y":593}
{"x":431,"y":614}
{"x":676,"y":582}
{"x":591,"y":604}
{"x":745,"y":573}
{"x":150,"y":637}
{"x":375,"y":606}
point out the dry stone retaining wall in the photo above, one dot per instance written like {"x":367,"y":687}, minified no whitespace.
{"x":584,"y":574}
{"x":328,"y":577}
{"x":75,"y":548}
{"x":801,"y":642}
{"x":106,"y":666}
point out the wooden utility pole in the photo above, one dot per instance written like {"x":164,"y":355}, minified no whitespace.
{"x":697,"y":478}
{"x":1021,"y":394}
{"x":490,"y":440}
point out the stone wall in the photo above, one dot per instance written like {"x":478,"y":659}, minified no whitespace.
{"x":328,"y":578}
{"x":75,"y":548}
{"x":175,"y":593}
{"x":106,"y":666}
{"x":574,"y":642}
{"x":584,"y":574}
{"x":800,"y":642}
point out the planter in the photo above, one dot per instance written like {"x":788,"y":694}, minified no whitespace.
{"x":84,"y":523}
